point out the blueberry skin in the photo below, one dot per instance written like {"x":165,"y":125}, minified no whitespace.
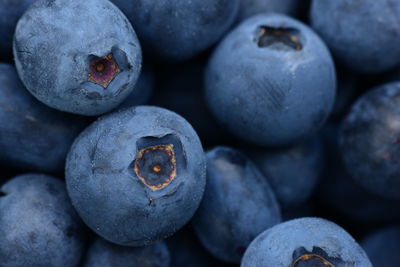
{"x":383,"y":246}
{"x":38,"y":224}
{"x":275,"y":94}
{"x":288,"y":243}
{"x":123,"y":201}
{"x":104,"y":254}
{"x":369,"y":140}
{"x":249,"y":8}
{"x":362,"y":35}
{"x":339,"y":192}
{"x":293,"y":171}
{"x":10,"y":12}
{"x":177,"y":30}
{"x":87,"y":71}
{"x":238,"y":204}
{"x":32,"y":135}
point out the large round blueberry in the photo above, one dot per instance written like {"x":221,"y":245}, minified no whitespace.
{"x":10,"y":12}
{"x":370,"y":140}
{"x":177,"y":30}
{"x":136,"y":176}
{"x":383,"y":246}
{"x":238,"y":205}
{"x":32,"y":135}
{"x":305,"y":242}
{"x":104,"y":254}
{"x":38,"y":225}
{"x":271,"y":81}
{"x":249,"y":8}
{"x":77,"y":56}
{"x":292,"y":171}
{"x":363,"y":35}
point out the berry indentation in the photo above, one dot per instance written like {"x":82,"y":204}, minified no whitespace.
{"x":289,"y":37}
{"x":103,"y":70}
{"x":315,"y":258}
{"x":155,"y":166}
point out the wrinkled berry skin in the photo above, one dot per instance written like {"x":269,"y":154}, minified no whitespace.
{"x":289,"y":243}
{"x":10,"y":12}
{"x":177,"y":30}
{"x":38,"y":224}
{"x":271,"y":81}
{"x":87,"y":71}
{"x":32,"y":135}
{"x":117,"y":170}
{"x":293,"y":171}
{"x":362,"y":35}
{"x":238,"y":205}
{"x":370,"y":139}
{"x":249,"y":8}
{"x":383,"y":246}
{"x":105,"y":254}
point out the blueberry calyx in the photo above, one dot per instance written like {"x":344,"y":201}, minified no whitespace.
{"x":102,"y":70}
{"x":289,"y":37}
{"x":155,"y":166}
{"x":316,"y":258}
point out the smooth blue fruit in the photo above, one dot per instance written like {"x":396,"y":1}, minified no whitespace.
{"x":238,"y":205}
{"x":32,"y":135}
{"x":38,"y":225}
{"x":249,"y":8}
{"x":305,"y":242}
{"x":136,"y":176}
{"x":370,"y":139}
{"x":362,"y":35}
{"x":77,"y":56}
{"x":177,"y":30}
{"x":382,"y":246}
{"x":355,"y":204}
{"x":271,"y":81}
{"x":292,"y":172}
{"x":104,"y":254}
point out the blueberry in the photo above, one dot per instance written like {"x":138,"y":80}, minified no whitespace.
{"x":104,"y":254}
{"x":238,"y":204}
{"x":370,"y":139}
{"x":339,"y":193}
{"x":10,"y":12}
{"x":271,"y":81}
{"x":363,"y":35}
{"x":305,"y":242}
{"x":77,"y":56}
{"x":38,"y":224}
{"x":33,"y":136}
{"x":383,"y":246}
{"x":249,"y":8}
{"x":292,"y":171}
{"x":136,"y":176}
{"x":177,"y":30}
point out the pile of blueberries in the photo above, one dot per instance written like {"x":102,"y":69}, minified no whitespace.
{"x":259,"y":133}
